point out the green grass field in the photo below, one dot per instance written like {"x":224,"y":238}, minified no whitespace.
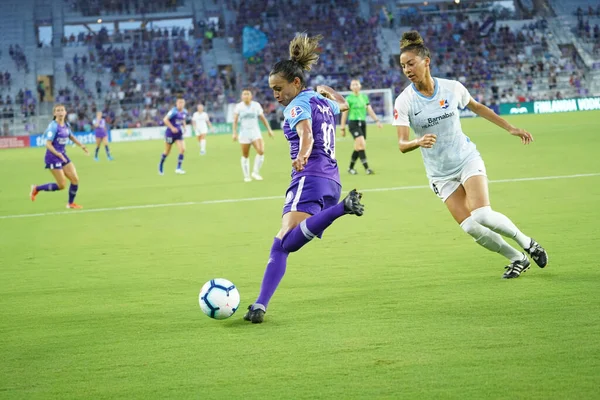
{"x":401,"y":303}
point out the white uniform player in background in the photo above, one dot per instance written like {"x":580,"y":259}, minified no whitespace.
{"x":201,"y":124}
{"x":456,"y":172}
{"x":246,"y":114}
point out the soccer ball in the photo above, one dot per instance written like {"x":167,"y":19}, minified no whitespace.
{"x":219,"y":298}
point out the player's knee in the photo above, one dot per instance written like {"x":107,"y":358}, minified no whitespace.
{"x":61,"y":185}
{"x":481,"y":215}
{"x":74,"y":181}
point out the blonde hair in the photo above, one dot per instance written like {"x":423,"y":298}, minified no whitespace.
{"x":303,"y":50}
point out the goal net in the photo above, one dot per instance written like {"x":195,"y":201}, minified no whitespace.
{"x":382,"y":102}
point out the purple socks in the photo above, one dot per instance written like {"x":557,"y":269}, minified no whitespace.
{"x":72,"y":193}
{"x":48,"y":187}
{"x":291,"y":242}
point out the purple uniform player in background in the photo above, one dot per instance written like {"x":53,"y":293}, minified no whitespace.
{"x":311,"y":203}
{"x":57,"y":136}
{"x":175,"y":123}
{"x":101,"y":132}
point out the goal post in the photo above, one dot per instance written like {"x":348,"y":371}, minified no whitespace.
{"x":382,"y":102}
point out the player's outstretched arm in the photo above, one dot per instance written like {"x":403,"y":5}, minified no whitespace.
{"x":491,"y":116}
{"x":331,"y":94}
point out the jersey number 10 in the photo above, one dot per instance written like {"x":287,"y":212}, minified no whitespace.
{"x":328,"y":139}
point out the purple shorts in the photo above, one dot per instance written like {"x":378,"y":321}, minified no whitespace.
{"x":171,"y":137}
{"x":311,"y":194}
{"x":53,"y":162}
{"x":100,"y":133}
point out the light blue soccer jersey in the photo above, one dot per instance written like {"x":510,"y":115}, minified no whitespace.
{"x":440,"y":115}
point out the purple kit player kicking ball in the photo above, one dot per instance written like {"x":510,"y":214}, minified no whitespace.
{"x":101,"y":135}
{"x":57,"y":136}
{"x":311,"y":203}
{"x":175,"y":123}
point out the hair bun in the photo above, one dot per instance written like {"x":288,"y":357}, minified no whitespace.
{"x":410,"y":38}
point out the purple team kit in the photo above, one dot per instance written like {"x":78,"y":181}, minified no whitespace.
{"x":317,"y":186}
{"x":59,"y":135}
{"x":177,"y":119}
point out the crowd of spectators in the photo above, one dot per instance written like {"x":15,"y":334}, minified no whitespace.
{"x":112,"y":7}
{"x":144,"y":80}
{"x":589,"y":31}
{"x":137,"y":81}
{"x":18,"y":56}
{"x":349,"y":48}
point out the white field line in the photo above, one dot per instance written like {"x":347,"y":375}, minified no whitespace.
{"x":243,"y":200}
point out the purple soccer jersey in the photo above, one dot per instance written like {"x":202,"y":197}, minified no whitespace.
{"x":100,"y":131}
{"x":177,"y":118}
{"x":321,"y":112}
{"x":59,"y":135}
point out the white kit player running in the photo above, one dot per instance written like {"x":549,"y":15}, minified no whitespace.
{"x":246,"y":115}
{"x":201,"y":124}
{"x":456,"y":172}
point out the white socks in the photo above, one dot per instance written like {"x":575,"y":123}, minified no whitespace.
{"x":246,"y":167}
{"x":500,"y":223}
{"x":490,"y":240}
{"x":258,"y":162}
{"x":202,"y":145}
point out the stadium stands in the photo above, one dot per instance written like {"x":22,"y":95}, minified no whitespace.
{"x":134,"y":75}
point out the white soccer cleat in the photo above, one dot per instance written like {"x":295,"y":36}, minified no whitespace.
{"x":247,"y":179}
{"x":180,"y":171}
{"x":202,"y":152}
{"x":256,"y":176}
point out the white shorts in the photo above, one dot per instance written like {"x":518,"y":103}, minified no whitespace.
{"x":202,"y":131}
{"x":445,"y":187}
{"x":249,"y":137}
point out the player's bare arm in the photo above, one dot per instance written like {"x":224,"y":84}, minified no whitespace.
{"x":374,"y":116}
{"x":266,"y":123}
{"x":235,"y":126}
{"x":78,"y":143}
{"x":490,"y":115}
{"x":304,"y":130}
{"x":406,"y":145}
{"x":331,"y":94}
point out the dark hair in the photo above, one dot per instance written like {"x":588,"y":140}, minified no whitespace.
{"x":413,"y":42}
{"x":302,"y":57}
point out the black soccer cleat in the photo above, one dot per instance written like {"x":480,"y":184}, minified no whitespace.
{"x":537,"y":254}
{"x":256,"y":316}
{"x":516,"y":268}
{"x":352,"y":203}
{"x":352,"y":171}
{"x":369,"y":171}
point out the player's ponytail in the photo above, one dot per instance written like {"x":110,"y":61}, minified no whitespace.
{"x":303,"y":50}
{"x":413,"y":42}
{"x":303,"y":55}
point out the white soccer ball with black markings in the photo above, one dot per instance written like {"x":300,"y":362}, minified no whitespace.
{"x":219,"y":298}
